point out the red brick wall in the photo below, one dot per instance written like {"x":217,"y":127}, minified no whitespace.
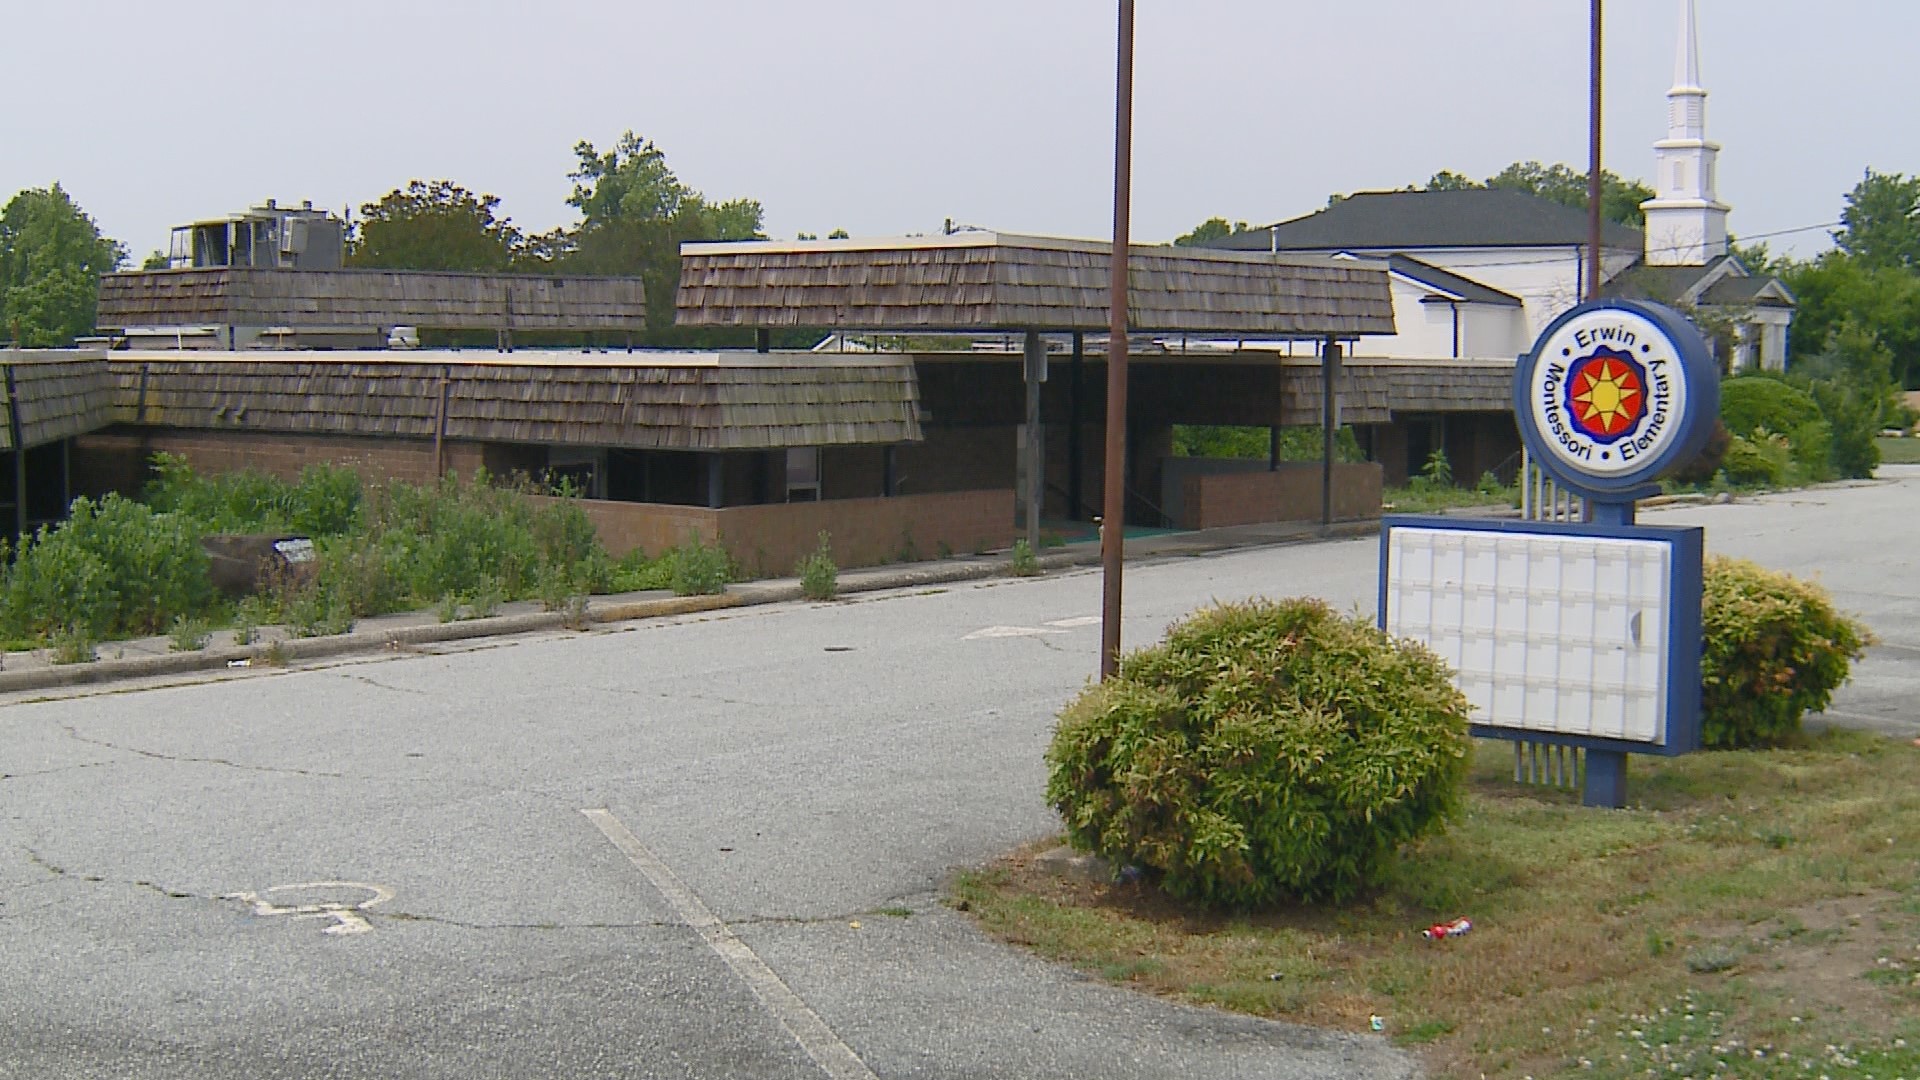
{"x":769,"y":539}
{"x":116,"y":459}
{"x":1290,"y":493}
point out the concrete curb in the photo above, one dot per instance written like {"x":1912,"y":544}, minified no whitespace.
{"x":746,"y":594}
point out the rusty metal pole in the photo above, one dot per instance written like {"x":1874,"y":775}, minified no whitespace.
{"x":1595,"y":278}
{"x":1114,"y":521}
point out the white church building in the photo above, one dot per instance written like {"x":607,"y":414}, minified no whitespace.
{"x":1478,"y":273}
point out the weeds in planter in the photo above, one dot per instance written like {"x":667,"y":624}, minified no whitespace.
{"x":73,"y":646}
{"x":188,"y":635}
{"x":819,"y":576}
{"x":1023,"y":562}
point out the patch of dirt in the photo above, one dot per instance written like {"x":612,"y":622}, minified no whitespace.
{"x":1819,"y":954}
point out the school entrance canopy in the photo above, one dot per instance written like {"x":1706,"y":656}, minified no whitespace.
{"x":982,"y":281}
{"x":975,"y":282}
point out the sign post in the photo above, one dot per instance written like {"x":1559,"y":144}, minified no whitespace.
{"x":1578,"y":634}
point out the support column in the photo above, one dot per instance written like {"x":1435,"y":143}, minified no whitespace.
{"x":1329,"y":424}
{"x":1273,"y":448}
{"x":889,"y":472}
{"x":1076,"y":507}
{"x":16,"y":429}
{"x":1035,"y":355}
{"x":716,"y":484}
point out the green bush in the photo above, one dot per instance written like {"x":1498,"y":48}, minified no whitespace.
{"x":1773,"y":649}
{"x":113,"y":569}
{"x":1263,"y":751}
{"x":695,"y":569}
{"x":1752,"y":402}
{"x":1855,"y":417}
{"x":1023,"y":562}
{"x":324,"y":502}
{"x":1761,"y":461}
{"x":818,"y":574}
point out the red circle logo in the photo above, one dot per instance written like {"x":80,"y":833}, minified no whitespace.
{"x":1606,"y":395}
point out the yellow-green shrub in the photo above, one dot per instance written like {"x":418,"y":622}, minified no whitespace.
{"x":1263,"y":751}
{"x":1774,"y":649}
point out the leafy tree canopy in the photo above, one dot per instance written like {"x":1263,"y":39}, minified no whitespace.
{"x":1880,"y":225}
{"x":636,"y":215}
{"x":1216,"y":228}
{"x":1620,"y":199}
{"x":435,"y":225}
{"x":51,"y":259}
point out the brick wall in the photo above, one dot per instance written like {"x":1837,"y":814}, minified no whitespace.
{"x":1289,"y":493}
{"x":116,"y":459}
{"x":768,"y":540}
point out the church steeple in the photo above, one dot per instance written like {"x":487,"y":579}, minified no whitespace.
{"x":1686,"y":223}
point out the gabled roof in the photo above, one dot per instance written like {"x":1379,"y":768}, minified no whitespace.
{"x":1456,"y":287}
{"x":1404,"y":220}
{"x":1722,"y":282}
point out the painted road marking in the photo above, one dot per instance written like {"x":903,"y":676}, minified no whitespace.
{"x":346,"y":917}
{"x":1077,"y":620}
{"x":1010,"y":631}
{"x":834,"y":1057}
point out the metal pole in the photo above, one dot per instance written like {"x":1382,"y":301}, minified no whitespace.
{"x":1114,"y":521}
{"x":17,"y":430}
{"x":1329,"y":419}
{"x":1035,"y":354}
{"x":1594,"y":274}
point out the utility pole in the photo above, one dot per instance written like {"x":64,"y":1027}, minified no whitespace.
{"x":1594,"y":275}
{"x":1113,"y":524}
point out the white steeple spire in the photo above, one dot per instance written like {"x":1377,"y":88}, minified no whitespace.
{"x":1686,"y":223}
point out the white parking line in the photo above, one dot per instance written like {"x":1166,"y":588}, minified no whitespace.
{"x":834,"y":1057}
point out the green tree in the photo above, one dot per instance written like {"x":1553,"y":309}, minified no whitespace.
{"x":1880,"y":225}
{"x":1620,"y":199}
{"x":1840,"y":288}
{"x":636,"y":214}
{"x":1212,"y":229}
{"x":51,"y":259}
{"x":435,"y":225}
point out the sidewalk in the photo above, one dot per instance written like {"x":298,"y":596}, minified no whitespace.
{"x":153,"y":656}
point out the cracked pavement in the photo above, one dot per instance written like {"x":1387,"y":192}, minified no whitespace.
{"x":798,"y":768}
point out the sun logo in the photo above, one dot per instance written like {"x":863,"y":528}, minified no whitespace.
{"x":1607,"y":395}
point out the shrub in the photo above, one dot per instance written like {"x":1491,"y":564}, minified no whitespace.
{"x":695,"y":569}
{"x":1023,"y":563}
{"x":1264,"y":750}
{"x":1752,"y":402}
{"x":1855,"y":419}
{"x":1760,"y":461}
{"x":188,"y":635}
{"x":325,"y":501}
{"x":1773,"y":649}
{"x":1707,"y":462}
{"x":113,"y":568}
{"x":819,"y":577}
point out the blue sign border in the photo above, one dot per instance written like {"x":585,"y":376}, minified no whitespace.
{"x":1696,"y":366}
{"x":1685,"y":571}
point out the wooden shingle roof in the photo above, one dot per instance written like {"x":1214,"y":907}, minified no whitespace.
{"x":244,"y":296}
{"x":61,"y":393}
{"x":686,"y":401}
{"x":994,"y":281}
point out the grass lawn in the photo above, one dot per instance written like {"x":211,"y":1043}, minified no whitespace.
{"x":1752,"y":914}
{"x":1900,"y":451}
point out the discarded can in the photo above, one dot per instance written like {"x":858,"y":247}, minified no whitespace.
{"x":240,"y":663}
{"x":1447,"y":929}
{"x":1377,"y":1022}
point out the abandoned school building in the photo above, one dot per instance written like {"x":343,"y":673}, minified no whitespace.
{"x":894,"y":454}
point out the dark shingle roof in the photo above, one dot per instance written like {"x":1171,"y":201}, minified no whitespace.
{"x":1673,"y":284}
{"x":1402,"y":220}
{"x":1448,"y":281}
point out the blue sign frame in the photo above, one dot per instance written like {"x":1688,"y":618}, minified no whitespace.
{"x":1685,"y":570}
{"x":1696,"y":365}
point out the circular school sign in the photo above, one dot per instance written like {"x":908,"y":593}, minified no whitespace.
{"x":1615,"y":394}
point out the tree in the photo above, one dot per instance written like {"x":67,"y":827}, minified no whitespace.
{"x":1620,"y":199}
{"x":1880,"y":225}
{"x":636,"y":213}
{"x":51,"y":259}
{"x":1212,"y":229}
{"x":1840,"y":288}
{"x":435,"y":225}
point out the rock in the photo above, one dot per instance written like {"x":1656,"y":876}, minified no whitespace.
{"x":243,"y":564}
{"x":1065,"y":862}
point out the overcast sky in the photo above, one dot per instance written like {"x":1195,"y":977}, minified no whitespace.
{"x":888,"y":116}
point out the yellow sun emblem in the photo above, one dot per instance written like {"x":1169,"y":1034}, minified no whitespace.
{"x":1607,"y":396}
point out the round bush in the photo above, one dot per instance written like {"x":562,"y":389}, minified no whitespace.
{"x":1263,"y":751}
{"x":1774,"y":649}
{"x":1752,"y":402}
